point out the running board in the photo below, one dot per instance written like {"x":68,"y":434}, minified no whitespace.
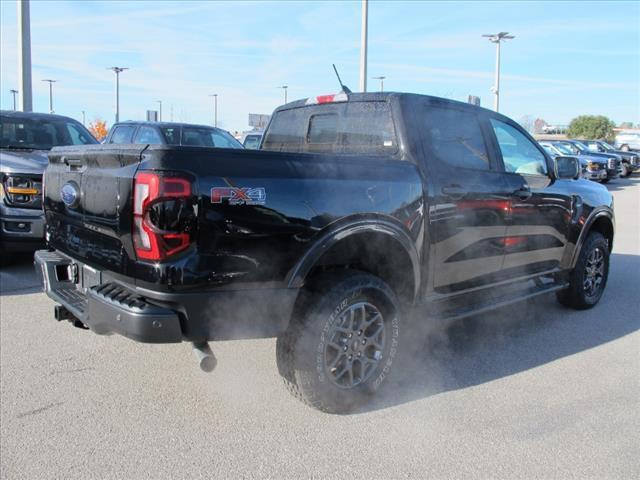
{"x":485,"y":303}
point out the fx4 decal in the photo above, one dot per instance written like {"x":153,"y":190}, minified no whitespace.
{"x":239,"y":196}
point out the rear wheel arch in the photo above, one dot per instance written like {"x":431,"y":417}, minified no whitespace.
{"x":380,"y":248}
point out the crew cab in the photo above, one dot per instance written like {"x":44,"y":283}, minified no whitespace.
{"x":25,"y":139}
{"x":363,"y":217}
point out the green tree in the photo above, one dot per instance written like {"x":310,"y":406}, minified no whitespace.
{"x":626,"y":125}
{"x":591,"y":127}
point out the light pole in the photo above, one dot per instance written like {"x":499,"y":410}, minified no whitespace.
{"x":497,"y":38}
{"x":215,"y":109}
{"x":381,"y":82}
{"x":285,"y":87}
{"x":24,"y":56}
{"x":118,"y":71}
{"x":51,"y":82}
{"x":83,"y":118}
{"x":14,"y":93}
{"x":160,"y":112}
{"x":363,"y":45}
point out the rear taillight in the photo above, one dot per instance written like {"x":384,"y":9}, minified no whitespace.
{"x":163,"y":217}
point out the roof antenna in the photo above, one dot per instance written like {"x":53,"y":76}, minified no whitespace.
{"x":345,"y":89}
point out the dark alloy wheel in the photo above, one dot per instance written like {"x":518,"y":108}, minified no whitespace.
{"x":341,"y":345}
{"x":356,"y":342}
{"x":589,"y":277}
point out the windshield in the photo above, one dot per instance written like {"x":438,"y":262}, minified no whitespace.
{"x":579,"y":146}
{"x":199,"y":137}
{"x":606,"y":146}
{"x":549,"y":149}
{"x":42,"y":133}
{"x":564,"y":148}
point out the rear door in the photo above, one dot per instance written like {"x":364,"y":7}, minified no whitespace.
{"x":469,"y":200}
{"x":541,"y":210}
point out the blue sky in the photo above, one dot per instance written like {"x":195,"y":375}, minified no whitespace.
{"x":568,"y":58}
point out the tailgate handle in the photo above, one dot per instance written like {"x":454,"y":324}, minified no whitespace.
{"x":73,"y":163}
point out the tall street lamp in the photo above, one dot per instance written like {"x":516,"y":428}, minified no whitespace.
{"x":118,"y":71}
{"x":83,"y":118}
{"x":14,"y":93}
{"x":51,"y":82}
{"x":24,"y":56}
{"x":381,"y":82}
{"x":160,"y":112}
{"x":285,"y":87}
{"x":497,"y":38}
{"x":215,"y":109}
{"x":363,"y":45}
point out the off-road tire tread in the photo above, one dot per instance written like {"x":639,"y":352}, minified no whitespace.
{"x":573,"y":296}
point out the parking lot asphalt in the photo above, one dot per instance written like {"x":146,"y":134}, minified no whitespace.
{"x":531,"y":391}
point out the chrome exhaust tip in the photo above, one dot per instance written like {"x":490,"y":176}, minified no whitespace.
{"x":204,"y":356}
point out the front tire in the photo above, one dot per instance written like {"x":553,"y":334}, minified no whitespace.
{"x":342,"y":346}
{"x":625,"y":170}
{"x":588,"y":279}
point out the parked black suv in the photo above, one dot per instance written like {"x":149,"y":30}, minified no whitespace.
{"x":170,"y":133}
{"x":362,"y":214}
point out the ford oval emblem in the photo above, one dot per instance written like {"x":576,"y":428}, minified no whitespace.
{"x":70,"y":194}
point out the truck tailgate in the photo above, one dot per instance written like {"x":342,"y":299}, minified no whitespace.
{"x":88,"y":203}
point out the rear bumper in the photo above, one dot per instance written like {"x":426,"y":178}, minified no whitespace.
{"x":107,"y":305}
{"x":21,"y":229}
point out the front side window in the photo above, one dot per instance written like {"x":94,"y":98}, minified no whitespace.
{"x":122,"y":134}
{"x":519,"y":154}
{"x":148,"y":135}
{"x":455,"y":137}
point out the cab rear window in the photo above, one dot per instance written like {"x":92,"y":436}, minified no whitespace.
{"x":341,"y":128}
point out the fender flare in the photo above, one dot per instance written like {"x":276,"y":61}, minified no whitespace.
{"x":297,"y":275}
{"x":591,"y":219}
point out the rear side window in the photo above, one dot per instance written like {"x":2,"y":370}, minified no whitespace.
{"x":122,"y":134}
{"x":148,"y":135}
{"x":341,"y":128}
{"x":455,"y":137}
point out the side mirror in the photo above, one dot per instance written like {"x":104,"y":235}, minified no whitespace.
{"x":568,"y":167}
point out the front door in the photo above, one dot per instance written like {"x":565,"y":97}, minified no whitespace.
{"x":541,"y":210}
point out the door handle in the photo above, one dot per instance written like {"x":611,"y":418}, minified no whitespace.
{"x":522,"y":193}
{"x":454,"y":191}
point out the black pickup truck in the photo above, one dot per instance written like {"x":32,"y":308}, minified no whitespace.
{"x":360,"y":216}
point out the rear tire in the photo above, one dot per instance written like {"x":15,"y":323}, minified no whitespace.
{"x":588,"y":279}
{"x":605,"y":180}
{"x":341,"y":346}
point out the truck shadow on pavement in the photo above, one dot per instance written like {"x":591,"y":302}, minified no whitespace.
{"x":18,"y":277}
{"x":513,"y":339}
{"x":618,"y":184}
